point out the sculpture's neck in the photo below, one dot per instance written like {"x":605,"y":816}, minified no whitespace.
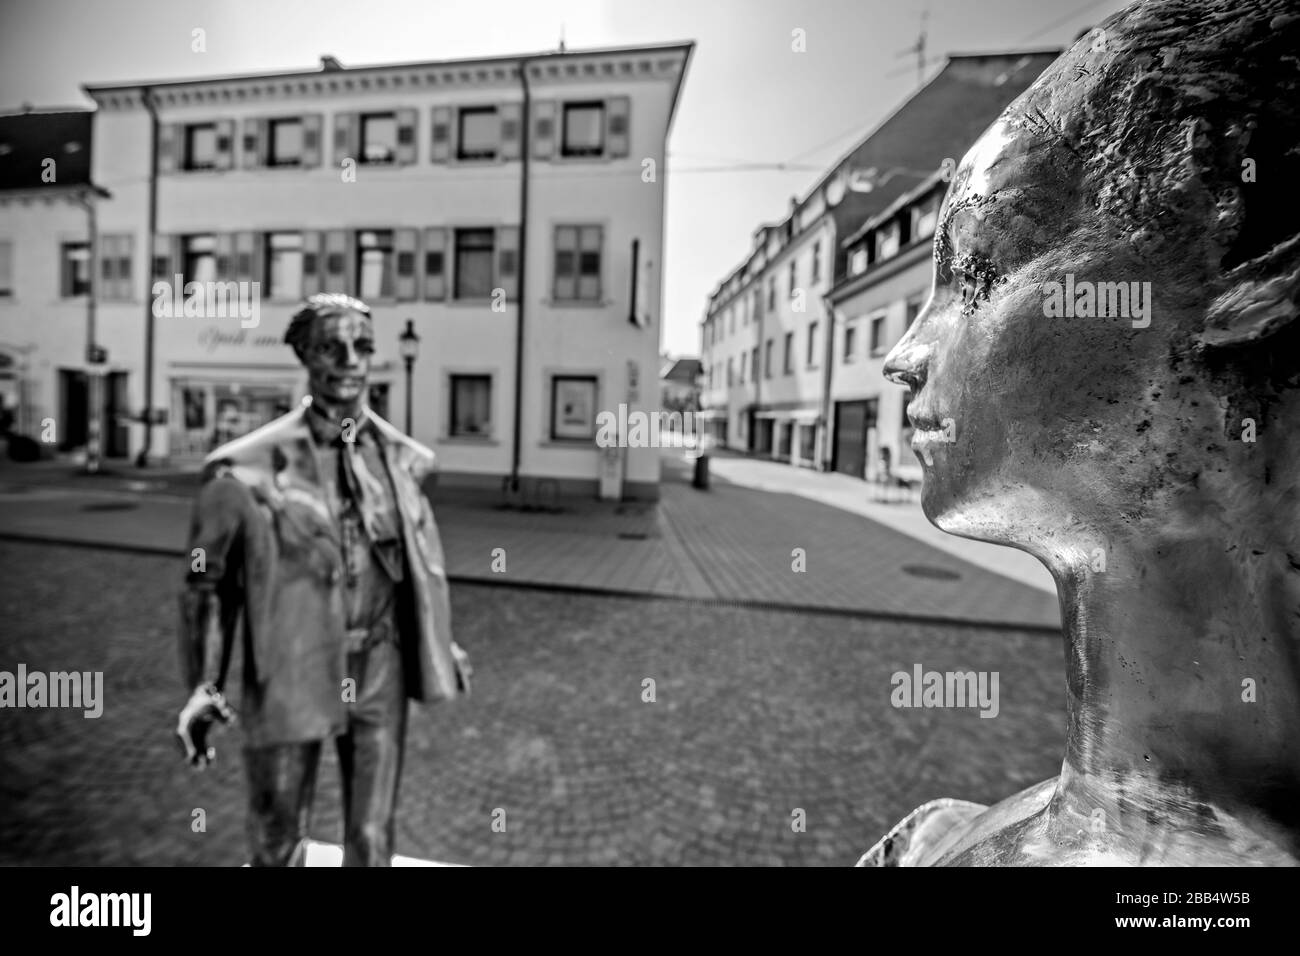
{"x":336,"y":411}
{"x":1183,"y":671}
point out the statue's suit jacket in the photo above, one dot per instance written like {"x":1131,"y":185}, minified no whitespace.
{"x":272,"y":551}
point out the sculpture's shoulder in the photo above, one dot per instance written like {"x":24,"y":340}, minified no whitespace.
{"x":420,"y":460}
{"x":919,"y":837}
{"x":252,"y":457}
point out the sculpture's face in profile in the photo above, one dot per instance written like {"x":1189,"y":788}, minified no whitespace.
{"x":1033,"y":408}
{"x":337,"y":357}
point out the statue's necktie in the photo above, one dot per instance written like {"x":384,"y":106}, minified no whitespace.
{"x":366,"y":489}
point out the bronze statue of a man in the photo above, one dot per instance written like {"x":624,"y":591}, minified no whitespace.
{"x":312,"y":542}
{"x":1113,"y":333}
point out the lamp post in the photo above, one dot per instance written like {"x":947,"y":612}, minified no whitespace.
{"x":409,"y":345}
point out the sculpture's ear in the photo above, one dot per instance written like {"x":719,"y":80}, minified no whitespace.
{"x":1262,"y":297}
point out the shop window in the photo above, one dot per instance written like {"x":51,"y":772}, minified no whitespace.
{"x":573,"y":407}
{"x":471,"y":406}
{"x":199,"y":258}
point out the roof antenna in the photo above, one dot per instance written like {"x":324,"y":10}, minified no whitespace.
{"x":561,"y":37}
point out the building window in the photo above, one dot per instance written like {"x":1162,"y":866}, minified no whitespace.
{"x":573,"y":407}
{"x":877,"y":336}
{"x":788,"y":363}
{"x":757,"y":311}
{"x":74,"y":276}
{"x":816,"y":261}
{"x":199,"y":258}
{"x":377,"y":398}
{"x":731,"y":319}
{"x":858,"y":261}
{"x":850,"y":341}
{"x":6,"y":269}
{"x":584,"y":129}
{"x":767,"y":360}
{"x":913,"y":310}
{"x":925,"y":216}
{"x":771,"y":293}
{"x":753,"y":364}
{"x":375,"y":265}
{"x":577,"y":263}
{"x":284,"y":265}
{"x":201,"y":146}
{"x":286,"y":143}
{"x":471,"y":405}
{"x":480,"y":133}
{"x":744,"y":362}
{"x":379,"y":138}
{"x":475,"y":250}
{"x":731,"y":377}
{"x":794,"y":276}
{"x":887,"y":238}
{"x":812,"y":344}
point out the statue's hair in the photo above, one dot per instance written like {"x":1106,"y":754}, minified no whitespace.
{"x":318,"y":307}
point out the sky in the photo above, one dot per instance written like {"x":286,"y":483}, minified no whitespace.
{"x":757,"y":123}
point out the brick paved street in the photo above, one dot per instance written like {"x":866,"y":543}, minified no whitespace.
{"x":758,"y":712}
{"x":731,"y":543}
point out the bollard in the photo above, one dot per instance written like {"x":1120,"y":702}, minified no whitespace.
{"x":701,"y":478}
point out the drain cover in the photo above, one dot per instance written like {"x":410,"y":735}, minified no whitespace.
{"x":928,"y":571}
{"x":110,"y":506}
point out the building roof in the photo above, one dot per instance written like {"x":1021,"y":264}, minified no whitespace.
{"x":29,"y":138}
{"x":685,"y":370}
{"x":941,"y":120}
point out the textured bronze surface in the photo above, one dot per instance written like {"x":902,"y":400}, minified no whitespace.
{"x":1147,"y":455}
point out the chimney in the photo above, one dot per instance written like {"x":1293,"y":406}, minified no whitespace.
{"x":329,"y":64}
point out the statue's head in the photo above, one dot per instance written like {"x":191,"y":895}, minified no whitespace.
{"x":333,"y":337}
{"x":1111,"y":343}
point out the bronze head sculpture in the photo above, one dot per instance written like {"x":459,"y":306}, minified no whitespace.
{"x":1112,"y":342}
{"x":313,"y":548}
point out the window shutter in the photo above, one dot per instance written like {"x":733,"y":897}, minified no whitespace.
{"x":508,"y":261}
{"x":435,"y":264}
{"x":226,"y":266}
{"x":252,"y":143}
{"x":405,"y":137}
{"x":170,"y":144}
{"x":617,"y":133}
{"x":311,"y":130}
{"x":440,"y":137}
{"x":336,"y":270}
{"x":244,"y":249}
{"x":510,"y":129}
{"x":406,"y":248}
{"x":225,"y":144}
{"x":544,"y":132}
{"x":345,"y":129}
{"x":312,"y":267}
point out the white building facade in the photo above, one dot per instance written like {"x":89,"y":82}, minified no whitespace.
{"x":510,"y":209}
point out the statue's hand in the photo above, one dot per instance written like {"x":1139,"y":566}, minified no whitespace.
{"x":205,"y":708}
{"x":463,"y":669}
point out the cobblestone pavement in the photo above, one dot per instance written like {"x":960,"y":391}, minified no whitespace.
{"x":731,"y":543}
{"x":757,"y":713}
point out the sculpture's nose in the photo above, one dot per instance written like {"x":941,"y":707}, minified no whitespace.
{"x":908,"y":363}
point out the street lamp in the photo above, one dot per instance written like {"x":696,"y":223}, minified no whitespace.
{"x":408,"y":343}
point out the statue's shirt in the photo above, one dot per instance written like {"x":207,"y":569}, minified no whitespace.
{"x":356,"y":480}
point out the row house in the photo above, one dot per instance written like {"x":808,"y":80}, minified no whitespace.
{"x":498,"y":209}
{"x":770,"y":344}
